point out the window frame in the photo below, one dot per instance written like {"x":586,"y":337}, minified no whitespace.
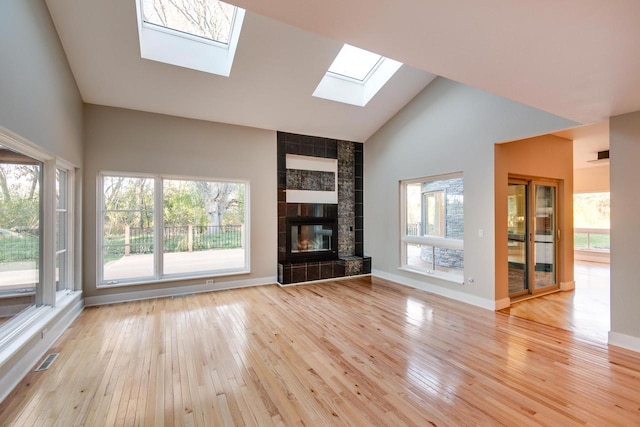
{"x":343,"y":53}
{"x":158,"y":244}
{"x":434,"y":241}
{"x":169,"y":46}
{"x":69,"y":214}
{"x":191,"y":36}
{"x":349,"y":90}
{"x":17,"y":329}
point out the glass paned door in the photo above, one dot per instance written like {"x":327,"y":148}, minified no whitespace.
{"x":545,"y":236}
{"x":532,"y":236}
{"x":517,"y":239}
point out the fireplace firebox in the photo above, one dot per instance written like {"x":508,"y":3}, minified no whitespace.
{"x":312,"y":239}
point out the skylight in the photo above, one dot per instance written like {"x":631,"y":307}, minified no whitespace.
{"x":198,"y":34}
{"x":208,"y":19}
{"x":354,"y":63}
{"x":355,"y":76}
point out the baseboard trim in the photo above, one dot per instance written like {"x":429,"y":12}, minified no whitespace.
{"x":503,"y":303}
{"x":625,"y":341}
{"x":568,"y":286}
{"x":54,"y":327}
{"x":175,"y":291}
{"x":438,"y":290}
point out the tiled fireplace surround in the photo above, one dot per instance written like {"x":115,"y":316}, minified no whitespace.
{"x":350,"y":258}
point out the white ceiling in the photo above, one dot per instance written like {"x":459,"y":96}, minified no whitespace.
{"x":276,"y":69}
{"x":575,"y":58}
{"x":587,"y":141}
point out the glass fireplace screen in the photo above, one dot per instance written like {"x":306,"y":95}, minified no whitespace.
{"x":311,"y":238}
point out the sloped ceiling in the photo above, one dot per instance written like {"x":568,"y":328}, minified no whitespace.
{"x":276,"y":69}
{"x":576,"y":59}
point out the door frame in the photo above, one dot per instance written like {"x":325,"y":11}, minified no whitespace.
{"x":531,"y":289}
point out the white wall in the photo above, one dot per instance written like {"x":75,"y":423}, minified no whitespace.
{"x":39,"y":99}
{"x":119,"y":140}
{"x":449,"y":127}
{"x":625,"y":230}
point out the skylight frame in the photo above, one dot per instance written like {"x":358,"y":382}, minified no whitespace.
{"x":174,"y":47}
{"x":190,"y":36}
{"x":344,"y":52}
{"x":348,"y":90}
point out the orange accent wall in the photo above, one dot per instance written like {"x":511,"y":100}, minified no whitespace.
{"x":540,"y":157}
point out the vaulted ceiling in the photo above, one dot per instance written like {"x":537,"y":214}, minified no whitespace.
{"x":576,"y":58}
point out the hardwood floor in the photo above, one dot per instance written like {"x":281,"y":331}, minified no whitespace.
{"x":355,"y":352}
{"x":584,"y":311}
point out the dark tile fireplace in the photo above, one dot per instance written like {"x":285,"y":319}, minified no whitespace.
{"x":319,"y":241}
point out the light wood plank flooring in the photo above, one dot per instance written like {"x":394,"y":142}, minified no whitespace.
{"x":358,"y":352}
{"x":584,"y":311}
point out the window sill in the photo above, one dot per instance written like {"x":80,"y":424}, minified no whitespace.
{"x":445,"y":277}
{"x":32,"y":322}
{"x":174,"y":278}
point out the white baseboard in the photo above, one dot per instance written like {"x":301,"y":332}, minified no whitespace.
{"x":175,"y":291}
{"x":568,"y":286}
{"x":625,"y":341}
{"x":438,"y":290}
{"x":54,"y":327}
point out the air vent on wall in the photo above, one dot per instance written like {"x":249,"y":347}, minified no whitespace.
{"x":603,"y":157}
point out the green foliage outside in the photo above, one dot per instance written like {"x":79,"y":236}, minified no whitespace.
{"x":593,"y":241}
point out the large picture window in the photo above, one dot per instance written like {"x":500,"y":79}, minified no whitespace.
{"x":156,"y":228}
{"x":433,"y":226}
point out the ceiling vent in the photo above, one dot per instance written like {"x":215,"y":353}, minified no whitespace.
{"x":603,"y":157}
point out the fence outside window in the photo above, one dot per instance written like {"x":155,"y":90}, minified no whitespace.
{"x":188,"y":238}
{"x":592,"y":239}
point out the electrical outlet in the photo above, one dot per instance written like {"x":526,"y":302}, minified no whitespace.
{"x":210,"y":281}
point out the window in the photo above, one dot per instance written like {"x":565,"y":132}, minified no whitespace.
{"x":156,"y":228}
{"x":355,"y":76}
{"x":64,"y":235}
{"x":198,"y":34}
{"x":20,"y":233}
{"x":209,"y":19}
{"x":354,"y":63}
{"x":433,"y":202}
{"x":35,"y":244}
{"x":433,"y":226}
{"x":591,"y":221}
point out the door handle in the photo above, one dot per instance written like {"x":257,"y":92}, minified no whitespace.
{"x":558,"y":234}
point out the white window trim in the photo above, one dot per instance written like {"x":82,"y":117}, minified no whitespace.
{"x":158,"y":201}
{"x":340,"y":88}
{"x":70,"y":231}
{"x":16,"y":331}
{"x":173,"y":47}
{"x":440,"y":242}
